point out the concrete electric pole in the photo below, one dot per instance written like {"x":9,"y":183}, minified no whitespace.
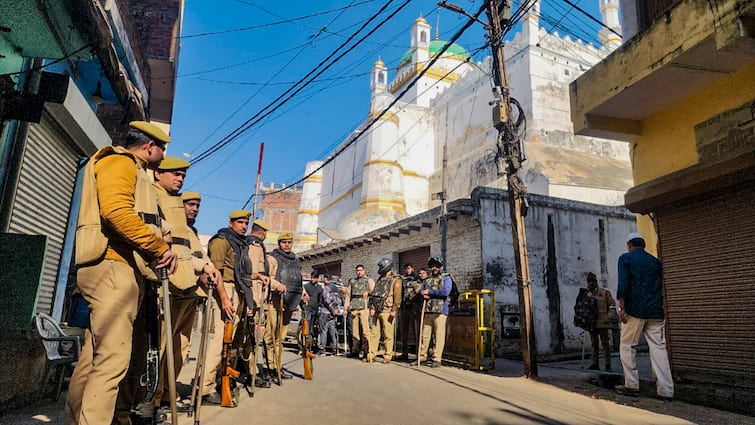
{"x":509,"y":158}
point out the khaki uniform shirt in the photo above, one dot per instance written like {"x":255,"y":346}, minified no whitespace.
{"x":606,"y":307}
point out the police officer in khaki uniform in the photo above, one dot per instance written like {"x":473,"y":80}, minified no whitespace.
{"x":385,"y":300}
{"x":285,"y":271}
{"x":228,"y":251}
{"x":193,"y":266}
{"x":118,"y":243}
{"x":357,"y":292}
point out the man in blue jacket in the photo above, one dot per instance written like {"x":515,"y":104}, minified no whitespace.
{"x":435,"y":291}
{"x":640,"y":296}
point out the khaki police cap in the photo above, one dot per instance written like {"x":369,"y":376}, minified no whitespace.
{"x":191,"y":196}
{"x":285,"y":235}
{"x":151,"y":130}
{"x":235,"y":215}
{"x":173,"y":163}
{"x":261,"y":224}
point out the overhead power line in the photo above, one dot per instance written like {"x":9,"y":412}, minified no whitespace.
{"x":398,"y":97}
{"x":37,"y":68}
{"x":270,"y":24}
{"x":292,"y":91}
{"x":592,"y":18}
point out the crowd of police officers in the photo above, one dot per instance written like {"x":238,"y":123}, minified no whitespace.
{"x":135,"y":224}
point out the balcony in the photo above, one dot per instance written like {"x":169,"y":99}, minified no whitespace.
{"x":683,"y":49}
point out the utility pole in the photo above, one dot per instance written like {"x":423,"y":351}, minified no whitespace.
{"x":510,"y":156}
{"x":257,"y":184}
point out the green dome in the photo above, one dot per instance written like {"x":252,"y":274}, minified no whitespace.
{"x":436,"y":46}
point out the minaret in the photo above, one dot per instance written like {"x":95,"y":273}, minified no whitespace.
{"x":609,"y":12}
{"x":307,"y":220}
{"x":531,"y":25}
{"x":420,"y":41}
{"x":378,"y":77}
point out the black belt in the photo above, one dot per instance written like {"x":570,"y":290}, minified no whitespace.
{"x":149,"y":218}
{"x":181,"y":241}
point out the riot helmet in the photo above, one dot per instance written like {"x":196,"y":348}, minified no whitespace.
{"x":384,"y":264}
{"x":435,"y":260}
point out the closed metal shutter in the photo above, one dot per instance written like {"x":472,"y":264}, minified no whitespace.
{"x":418,"y":257}
{"x":43,"y":197}
{"x":707,"y":248}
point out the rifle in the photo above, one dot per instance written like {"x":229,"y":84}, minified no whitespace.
{"x":196,"y":391}
{"x":226,"y":389}
{"x":306,"y":344}
{"x":251,"y":335}
{"x":149,"y":379}
{"x":421,"y":324}
{"x":163,"y":273}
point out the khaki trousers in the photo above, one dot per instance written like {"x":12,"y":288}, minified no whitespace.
{"x":215,"y":341}
{"x":271,"y":328}
{"x":183,"y":311}
{"x":382,"y":327}
{"x":360,"y":329}
{"x":434,"y":325}
{"x":112,"y":291}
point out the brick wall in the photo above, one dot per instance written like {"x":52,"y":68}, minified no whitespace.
{"x":280,"y":210}
{"x":115,"y":121}
{"x":463,"y":249}
{"x":156,"y":22}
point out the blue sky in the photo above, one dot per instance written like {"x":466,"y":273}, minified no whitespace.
{"x":259,"y":64}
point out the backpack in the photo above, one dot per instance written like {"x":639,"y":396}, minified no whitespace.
{"x":585,"y":310}
{"x":453,"y":296}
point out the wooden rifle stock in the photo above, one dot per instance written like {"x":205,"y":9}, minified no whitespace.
{"x":306,"y":345}
{"x":226,"y":391}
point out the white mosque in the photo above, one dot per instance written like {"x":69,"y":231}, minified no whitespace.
{"x":439,"y":136}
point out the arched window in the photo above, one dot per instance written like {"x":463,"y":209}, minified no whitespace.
{"x":381,"y":78}
{"x":423,"y":36}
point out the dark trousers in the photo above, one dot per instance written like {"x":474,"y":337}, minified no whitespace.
{"x":601,"y":333}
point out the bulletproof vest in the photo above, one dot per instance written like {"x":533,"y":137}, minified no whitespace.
{"x":172,"y":208}
{"x":91,"y":242}
{"x":380,"y":292}
{"x":358,"y":287}
{"x":434,"y":283}
{"x":409,"y":286}
{"x":289,"y":273}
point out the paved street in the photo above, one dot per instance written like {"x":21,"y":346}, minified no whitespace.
{"x":346,"y":391}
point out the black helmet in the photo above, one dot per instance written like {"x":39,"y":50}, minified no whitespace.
{"x":434,"y":260}
{"x":384,"y":264}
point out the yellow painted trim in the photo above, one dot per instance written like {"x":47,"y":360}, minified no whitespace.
{"x":388,"y":116}
{"x":340,"y":198}
{"x":434,"y":73}
{"x":313,"y":179}
{"x":395,"y":202}
{"x":305,"y":238}
{"x":383,"y":207}
{"x":409,"y":173}
{"x":309,"y":211}
{"x":383,"y":162}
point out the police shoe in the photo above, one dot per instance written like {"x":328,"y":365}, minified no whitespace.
{"x":433,"y":364}
{"x":181,"y":406}
{"x":286,"y":375}
{"x":213,"y":399}
{"x":261,"y":382}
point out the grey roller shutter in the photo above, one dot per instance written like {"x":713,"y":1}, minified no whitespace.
{"x":707,"y":248}
{"x":43,"y":197}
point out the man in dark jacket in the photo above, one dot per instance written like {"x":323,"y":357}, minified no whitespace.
{"x":640,"y":310}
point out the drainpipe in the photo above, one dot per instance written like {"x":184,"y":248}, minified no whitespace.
{"x":14,"y":144}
